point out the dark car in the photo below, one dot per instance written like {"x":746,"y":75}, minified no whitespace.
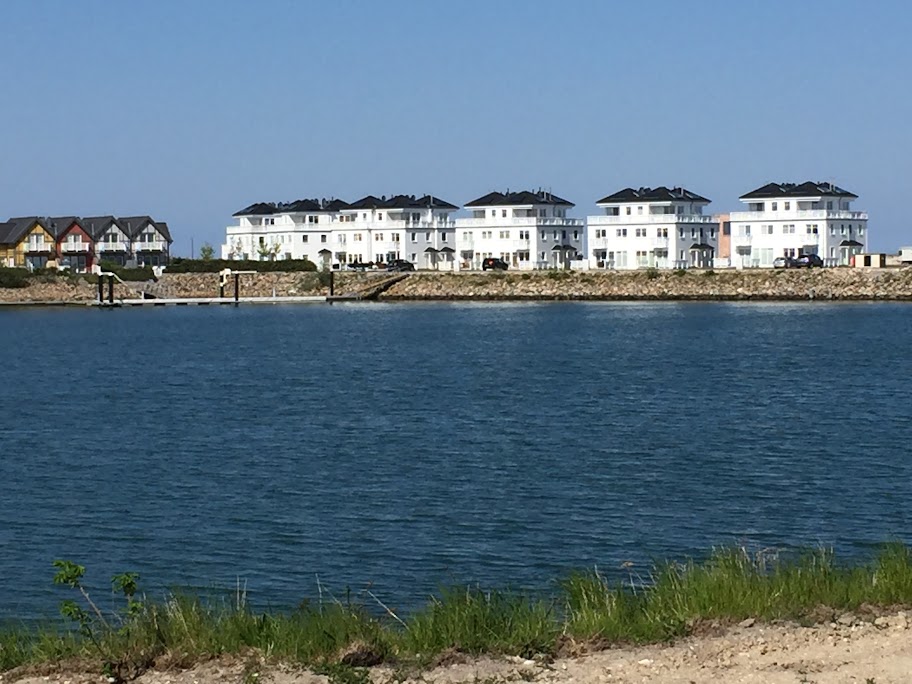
{"x":400,"y":265}
{"x":492,"y":264}
{"x":808,"y":261}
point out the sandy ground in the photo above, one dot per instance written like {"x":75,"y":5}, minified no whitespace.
{"x":842,"y":651}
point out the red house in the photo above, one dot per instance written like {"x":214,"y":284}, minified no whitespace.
{"x":75,"y":247}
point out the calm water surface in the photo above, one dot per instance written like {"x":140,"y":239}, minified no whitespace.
{"x":414,"y":446}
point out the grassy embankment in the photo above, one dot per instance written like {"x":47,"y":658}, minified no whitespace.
{"x":586,"y":611}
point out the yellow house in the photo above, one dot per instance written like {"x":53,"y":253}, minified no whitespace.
{"x":26,"y":242}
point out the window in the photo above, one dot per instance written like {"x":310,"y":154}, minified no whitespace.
{"x":639,"y":211}
{"x":493,"y":213}
{"x":269,"y":222}
{"x":786,"y":205}
{"x":811,"y":229}
{"x":305,"y":238}
{"x":681,"y":209}
{"x":829,"y":204}
{"x":681,"y":233}
{"x":364,"y":216}
{"x":620,"y":232}
{"x":662,"y":232}
{"x":503,"y":213}
{"x":746,"y":231}
{"x":860,"y":231}
{"x":576,"y":235}
{"x":414,"y":237}
{"x":413,"y":258}
{"x":788,"y":229}
{"x":543,"y":235}
{"x":395,"y":237}
{"x":563,"y":235}
{"x":380,"y":216}
{"x":427,"y":237}
{"x":628,"y":211}
{"x":641,"y":232}
{"x":775,"y":206}
{"x":323,"y":238}
{"x":642,"y":258}
{"x":504,"y":235}
{"x":357,"y":237}
{"x":378,"y":237}
{"x":833,"y":231}
{"x":443,"y":237}
{"x":767,"y":230}
{"x":313,"y":219}
{"x":842,"y":229}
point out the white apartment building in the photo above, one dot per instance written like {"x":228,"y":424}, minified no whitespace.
{"x":789,"y":219}
{"x":526,"y":229}
{"x":652,"y":228}
{"x":333,"y":232}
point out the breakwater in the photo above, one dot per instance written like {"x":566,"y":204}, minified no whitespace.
{"x":647,"y":285}
{"x":770,"y":285}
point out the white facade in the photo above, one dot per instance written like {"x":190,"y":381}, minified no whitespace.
{"x":787,"y":220}
{"x":371,"y":230}
{"x":527,"y":230}
{"x":652,"y":228}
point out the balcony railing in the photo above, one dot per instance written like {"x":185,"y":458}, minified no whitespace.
{"x":75,"y":247}
{"x":110,"y":247}
{"x":496,"y":221}
{"x":152,"y":246}
{"x":802,"y":214}
{"x":649,"y":218}
{"x":39,"y":247}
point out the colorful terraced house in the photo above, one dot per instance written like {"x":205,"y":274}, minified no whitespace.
{"x":79,"y":243}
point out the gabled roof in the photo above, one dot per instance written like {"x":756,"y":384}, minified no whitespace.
{"x":659,"y":194}
{"x":58,"y":225}
{"x":257,"y":209}
{"x":301,"y":206}
{"x":96,"y":226}
{"x":134,"y":225}
{"x":6,"y":230}
{"x":368,"y":202}
{"x":429,"y":201}
{"x":806,"y":189}
{"x":524,"y":197}
{"x":17,"y":228}
{"x":162,"y":228}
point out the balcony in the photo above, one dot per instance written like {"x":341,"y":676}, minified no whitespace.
{"x":801,"y":214}
{"x":151,"y":246}
{"x":110,"y":247}
{"x":39,"y":247}
{"x":495,"y":221}
{"x":741,"y":239}
{"x":648,"y":218}
{"x":75,"y":247}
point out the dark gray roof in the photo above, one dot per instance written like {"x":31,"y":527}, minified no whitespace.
{"x":806,"y":189}
{"x":523,"y":197}
{"x":659,"y":194}
{"x":162,"y":228}
{"x":257,"y":209}
{"x":58,"y":225}
{"x":134,"y":225}
{"x":401,"y":202}
{"x":18,"y":227}
{"x":6,"y":230}
{"x":96,"y":226}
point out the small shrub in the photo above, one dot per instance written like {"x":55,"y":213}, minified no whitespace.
{"x":179,"y":265}
{"x":680,"y":272}
{"x":555,"y":274}
{"x":13,"y":277}
{"x":708,"y":273}
{"x":652,"y":273}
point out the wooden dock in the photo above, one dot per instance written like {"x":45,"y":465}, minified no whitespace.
{"x":210,"y":301}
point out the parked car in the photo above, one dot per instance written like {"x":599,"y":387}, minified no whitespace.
{"x":808,"y":261}
{"x":493,"y":264}
{"x":400,"y":265}
{"x":783,"y":262}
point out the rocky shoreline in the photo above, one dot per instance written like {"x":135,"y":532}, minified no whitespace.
{"x":845,"y":284}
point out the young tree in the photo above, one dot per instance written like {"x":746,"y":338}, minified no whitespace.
{"x":206,"y":251}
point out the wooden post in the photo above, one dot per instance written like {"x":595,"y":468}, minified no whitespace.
{"x":101,"y":289}
{"x":237,"y":288}
{"x":332,"y":283}
{"x":110,"y":289}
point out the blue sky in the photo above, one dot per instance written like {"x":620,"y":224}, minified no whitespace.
{"x":191,"y":110}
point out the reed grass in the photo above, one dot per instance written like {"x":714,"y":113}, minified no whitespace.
{"x":668,"y":601}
